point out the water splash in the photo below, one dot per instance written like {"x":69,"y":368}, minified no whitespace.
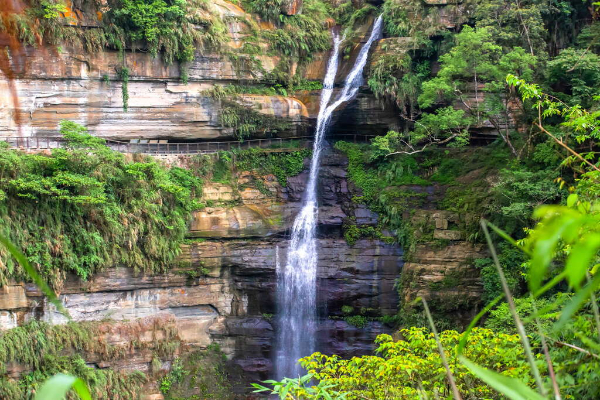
{"x":296,"y":282}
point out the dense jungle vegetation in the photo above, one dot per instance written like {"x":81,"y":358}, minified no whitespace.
{"x":525,"y":72}
{"x":528,"y":73}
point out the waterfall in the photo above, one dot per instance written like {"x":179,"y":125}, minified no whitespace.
{"x":296,"y":282}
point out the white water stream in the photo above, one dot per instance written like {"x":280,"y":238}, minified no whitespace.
{"x":296,"y":281}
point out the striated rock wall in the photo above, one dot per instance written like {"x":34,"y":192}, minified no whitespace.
{"x":85,"y":88}
{"x":224,"y":289}
{"x":67,"y":82}
{"x":441,"y":267}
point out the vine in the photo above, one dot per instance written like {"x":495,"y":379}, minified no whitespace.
{"x":124,"y":74}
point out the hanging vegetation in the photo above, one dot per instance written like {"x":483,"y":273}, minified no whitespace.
{"x":86,"y":207}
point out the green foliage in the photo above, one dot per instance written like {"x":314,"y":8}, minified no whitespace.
{"x":347,"y":309}
{"x":515,"y":24}
{"x":388,"y":183}
{"x":174,"y":28}
{"x":576,"y":72}
{"x":34,"y":276}
{"x":475,"y":58}
{"x":575,"y":369}
{"x":377,"y":181}
{"x":297,"y":38}
{"x":124,"y":74}
{"x":46,"y":350}
{"x":198,"y":375}
{"x":280,"y":164}
{"x":359,"y":321}
{"x":353,"y":232}
{"x":148,"y":19}
{"x":171,"y":27}
{"x":231,"y":91}
{"x":371,"y":177}
{"x":411,"y":18}
{"x":243,"y":119}
{"x":570,"y":231}
{"x":51,"y":10}
{"x":512,"y":261}
{"x":357,"y":16}
{"x":85,"y":207}
{"x":501,"y":320}
{"x":269,"y":10}
{"x":398,"y":78}
{"x":59,"y":385}
{"x":518,"y":192}
{"x":264,"y":165}
{"x":447,"y":126}
{"x":268,"y":316}
{"x":246,"y":121}
{"x":411,"y":367}
{"x":577,"y":124}
{"x":300,"y":388}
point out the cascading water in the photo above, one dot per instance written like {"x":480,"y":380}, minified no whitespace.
{"x":296,"y":282}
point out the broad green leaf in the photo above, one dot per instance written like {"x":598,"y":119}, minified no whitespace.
{"x":259,"y":388}
{"x":581,"y":256}
{"x":286,"y":389}
{"x":57,"y":387}
{"x":572,"y":200}
{"x":577,"y":302}
{"x":543,"y":251}
{"x":510,"y":387}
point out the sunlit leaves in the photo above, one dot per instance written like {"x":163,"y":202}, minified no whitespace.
{"x":300,"y":388}
{"x":585,"y":124}
{"x":403,"y":369}
{"x":513,"y":388}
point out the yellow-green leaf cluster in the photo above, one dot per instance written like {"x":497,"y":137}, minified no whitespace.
{"x":412,"y":367}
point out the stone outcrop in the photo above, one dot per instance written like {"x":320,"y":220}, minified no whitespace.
{"x":441,"y":268}
{"x":71,"y":86}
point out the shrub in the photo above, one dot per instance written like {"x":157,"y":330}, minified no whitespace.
{"x":407,"y":368}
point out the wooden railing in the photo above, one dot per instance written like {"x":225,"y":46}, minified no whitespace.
{"x":163,"y":147}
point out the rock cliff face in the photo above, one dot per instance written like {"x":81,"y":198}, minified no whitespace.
{"x":224,"y":291}
{"x":69,"y":83}
{"x":85,"y":88}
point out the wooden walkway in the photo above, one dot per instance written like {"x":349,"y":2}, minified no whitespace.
{"x":165,"y":148}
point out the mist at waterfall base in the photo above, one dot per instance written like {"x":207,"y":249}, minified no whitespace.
{"x":297,"y":278}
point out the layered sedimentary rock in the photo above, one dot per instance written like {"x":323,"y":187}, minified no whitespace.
{"x":84,"y":88}
{"x":66,"y":82}
{"x":441,"y":268}
{"x":224,"y":289}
